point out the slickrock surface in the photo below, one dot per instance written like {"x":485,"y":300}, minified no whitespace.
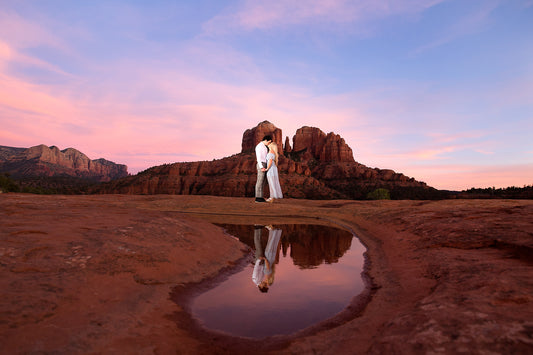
{"x":104,"y":274}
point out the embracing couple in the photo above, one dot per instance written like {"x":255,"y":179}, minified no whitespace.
{"x":267,"y":155}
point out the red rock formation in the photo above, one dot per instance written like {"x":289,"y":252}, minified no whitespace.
{"x":231,"y":176}
{"x":252,"y":136}
{"x":336,"y":150}
{"x":50,"y":161}
{"x":319,"y":146}
{"x":310,"y":139}
{"x":319,"y":166}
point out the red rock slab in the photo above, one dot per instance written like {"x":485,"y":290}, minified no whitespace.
{"x":84,"y":274}
{"x":95,"y":274}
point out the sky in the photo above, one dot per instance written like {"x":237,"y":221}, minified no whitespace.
{"x":439,"y":90}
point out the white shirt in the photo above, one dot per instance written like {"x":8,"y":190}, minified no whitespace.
{"x":261,"y":151}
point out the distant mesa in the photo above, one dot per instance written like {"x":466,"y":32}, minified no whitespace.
{"x":316,"y":166}
{"x":44,"y":161}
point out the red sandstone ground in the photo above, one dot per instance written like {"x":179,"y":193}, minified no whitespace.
{"x":102,"y":274}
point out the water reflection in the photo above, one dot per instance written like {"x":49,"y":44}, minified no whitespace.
{"x":305,"y":274}
{"x":265,"y":259}
{"x":309,"y":245}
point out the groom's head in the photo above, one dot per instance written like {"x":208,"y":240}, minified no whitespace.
{"x":267,"y":139}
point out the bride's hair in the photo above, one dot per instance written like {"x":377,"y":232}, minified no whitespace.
{"x":274,"y":149}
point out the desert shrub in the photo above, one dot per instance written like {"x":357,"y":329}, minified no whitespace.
{"x":8,"y":185}
{"x":379,"y":194}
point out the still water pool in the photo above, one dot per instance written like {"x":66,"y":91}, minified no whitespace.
{"x":300,"y":275}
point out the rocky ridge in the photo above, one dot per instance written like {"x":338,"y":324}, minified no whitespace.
{"x":42,"y":160}
{"x":317,"y":166}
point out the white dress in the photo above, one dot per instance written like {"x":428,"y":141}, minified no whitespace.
{"x":260,"y":268}
{"x":273,"y":178}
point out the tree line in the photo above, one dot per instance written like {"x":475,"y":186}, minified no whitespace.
{"x":511,"y":192}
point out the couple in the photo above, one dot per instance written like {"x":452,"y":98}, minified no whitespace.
{"x":265,"y":257}
{"x":267,"y":162}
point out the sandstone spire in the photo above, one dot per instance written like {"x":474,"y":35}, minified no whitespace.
{"x":252,"y":136}
{"x":287,"y":147}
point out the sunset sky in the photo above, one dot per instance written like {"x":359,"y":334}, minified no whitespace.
{"x":439,"y":90}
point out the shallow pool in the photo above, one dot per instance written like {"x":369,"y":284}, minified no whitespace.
{"x":300,"y":275}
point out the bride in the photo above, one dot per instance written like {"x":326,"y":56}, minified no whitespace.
{"x":272,"y":173}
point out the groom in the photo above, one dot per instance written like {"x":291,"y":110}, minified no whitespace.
{"x":261,"y":152}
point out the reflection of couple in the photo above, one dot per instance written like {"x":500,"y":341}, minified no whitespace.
{"x":265,"y":260}
{"x":267,"y":162}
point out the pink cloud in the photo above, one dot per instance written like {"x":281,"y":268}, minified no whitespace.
{"x":112,"y":117}
{"x":485,"y":152}
{"x":22,"y":96}
{"x":441,"y":145}
{"x":23,"y":33}
{"x":433,"y":153}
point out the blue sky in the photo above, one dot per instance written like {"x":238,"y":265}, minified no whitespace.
{"x":441,"y":91}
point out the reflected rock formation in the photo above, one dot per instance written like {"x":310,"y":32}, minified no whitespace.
{"x":308,"y":245}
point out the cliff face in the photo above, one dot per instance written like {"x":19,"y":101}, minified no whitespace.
{"x":319,"y":166}
{"x":50,"y":161}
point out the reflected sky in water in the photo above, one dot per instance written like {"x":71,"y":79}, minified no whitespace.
{"x":314,"y":273}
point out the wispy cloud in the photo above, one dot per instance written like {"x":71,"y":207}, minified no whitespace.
{"x":253,"y":15}
{"x":485,"y":152}
{"x":24,"y":33}
{"x":18,"y":36}
{"x":468,"y":24}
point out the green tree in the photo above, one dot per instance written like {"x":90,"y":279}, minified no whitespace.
{"x":379,"y":194}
